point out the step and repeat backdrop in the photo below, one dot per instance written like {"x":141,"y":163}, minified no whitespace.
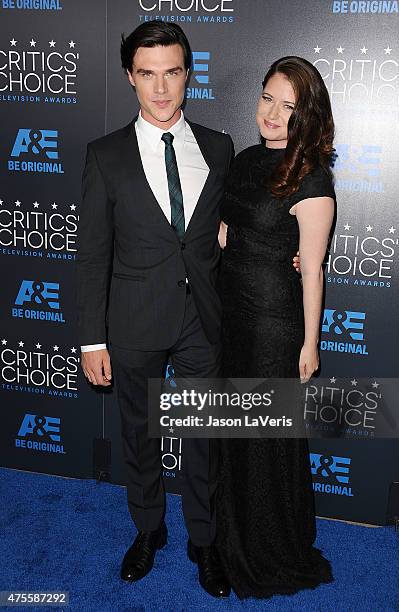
{"x":61,"y":85}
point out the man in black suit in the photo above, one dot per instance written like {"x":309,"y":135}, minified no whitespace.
{"x":147,"y":265}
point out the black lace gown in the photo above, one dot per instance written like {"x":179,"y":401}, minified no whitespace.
{"x":265,"y":504}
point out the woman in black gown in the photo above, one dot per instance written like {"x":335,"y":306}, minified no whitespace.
{"x":279,"y":198}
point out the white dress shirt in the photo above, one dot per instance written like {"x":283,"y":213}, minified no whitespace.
{"x":193,"y":170}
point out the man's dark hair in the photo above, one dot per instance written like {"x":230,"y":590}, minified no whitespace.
{"x":153,"y":34}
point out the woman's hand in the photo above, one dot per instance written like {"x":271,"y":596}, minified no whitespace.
{"x":222,"y":235}
{"x":308,"y":361}
{"x":296,"y":262}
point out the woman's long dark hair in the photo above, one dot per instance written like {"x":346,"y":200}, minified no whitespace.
{"x":310,"y":127}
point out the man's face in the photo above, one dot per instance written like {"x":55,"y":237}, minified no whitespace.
{"x":159,"y":76}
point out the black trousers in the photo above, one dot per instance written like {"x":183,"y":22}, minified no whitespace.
{"x":192,"y":356}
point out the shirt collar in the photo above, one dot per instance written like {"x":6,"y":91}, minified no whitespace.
{"x":153,"y":134}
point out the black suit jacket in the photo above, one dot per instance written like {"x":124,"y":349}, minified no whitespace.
{"x":131,"y":266}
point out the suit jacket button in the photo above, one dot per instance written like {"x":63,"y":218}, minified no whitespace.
{"x":183,"y":246}
{"x":181,"y":283}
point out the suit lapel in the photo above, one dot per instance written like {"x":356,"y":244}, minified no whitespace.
{"x":133,"y":158}
{"x":133,"y":154}
{"x":205,"y":149}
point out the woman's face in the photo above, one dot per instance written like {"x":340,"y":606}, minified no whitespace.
{"x":274,"y":110}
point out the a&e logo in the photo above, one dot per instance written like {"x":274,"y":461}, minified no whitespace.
{"x":39,"y":146}
{"x":331,"y":474}
{"x":41,"y":433}
{"x":358,"y":168}
{"x":200,"y":67}
{"x":347,"y":330}
{"x":38,"y":300}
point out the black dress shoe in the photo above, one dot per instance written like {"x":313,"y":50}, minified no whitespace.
{"x":210,"y":573}
{"x":139,"y":559}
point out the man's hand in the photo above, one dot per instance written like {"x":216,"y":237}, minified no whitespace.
{"x":297,"y":262}
{"x":96,"y":366}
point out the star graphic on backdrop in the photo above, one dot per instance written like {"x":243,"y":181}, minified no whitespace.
{"x":340,"y":49}
{"x":73,"y":350}
{"x":332,"y":380}
{"x":347,"y":227}
{"x":20,"y":343}
{"x":317,"y":49}
{"x":354,"y":382}
{"x":4,"y":341}
{"x":375,"y":384}
{"x":171,"y":429}
{"x":392,"y":229}
{"x":38,"y":345}
{"x":55,"y":347}
{"x":364,"y":50}
{"x":17,"y":203}
{"x":369,"y":228}
{"x":35,"y":204}
{"x":72,"y":44}
{"x":51,"y":43}
{"x":1,"y":202}
{"x":33,"y":43}
{"x":73,"y":207}
{"x":13,"y":42}
{"x":54,"y":205}
{"x":388,"y":50}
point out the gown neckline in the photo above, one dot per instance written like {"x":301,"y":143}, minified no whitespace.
{"x":271,"y":151}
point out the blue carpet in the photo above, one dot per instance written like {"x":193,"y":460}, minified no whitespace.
{"x":65,"y":534}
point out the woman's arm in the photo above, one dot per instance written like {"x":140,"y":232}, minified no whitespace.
{"x":222,"y":234}
{"x":315,"y":217}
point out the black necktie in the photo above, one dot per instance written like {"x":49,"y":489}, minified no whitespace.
{"x":175,"y":192}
